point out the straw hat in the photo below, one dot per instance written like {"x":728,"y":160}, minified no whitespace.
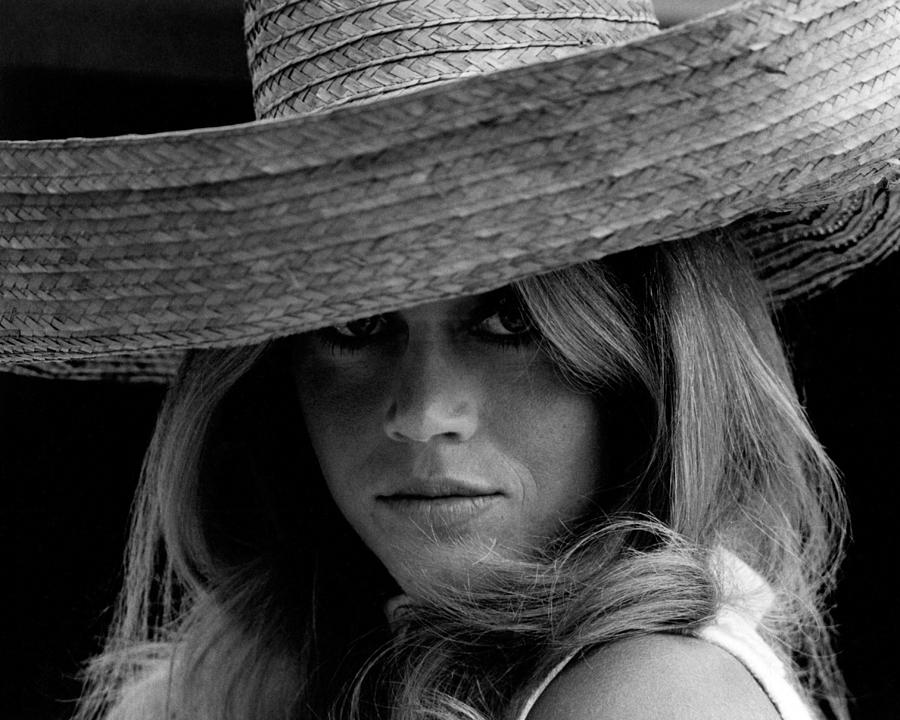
{"x":411,"y":150}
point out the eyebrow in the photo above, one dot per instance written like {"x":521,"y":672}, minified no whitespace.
{"x":469,"y":308}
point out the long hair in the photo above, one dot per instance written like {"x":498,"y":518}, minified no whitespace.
{"x":243,"y":583}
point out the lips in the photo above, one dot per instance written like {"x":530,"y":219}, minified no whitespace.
{"x":437,"y":507}
{"x":438,"y":488}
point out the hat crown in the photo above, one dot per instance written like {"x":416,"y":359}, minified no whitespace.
{"x":311,"y":55}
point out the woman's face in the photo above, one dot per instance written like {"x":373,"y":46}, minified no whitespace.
{"x":445,"y":435}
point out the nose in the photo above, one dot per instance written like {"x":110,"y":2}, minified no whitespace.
{"x":435,"y":395}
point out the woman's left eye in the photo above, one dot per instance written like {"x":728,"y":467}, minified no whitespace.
{"x":508,"y":324}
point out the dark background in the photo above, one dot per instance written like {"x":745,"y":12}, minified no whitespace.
{"x":71,"y":451}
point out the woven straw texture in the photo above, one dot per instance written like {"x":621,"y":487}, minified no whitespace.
{"x":310,"y":56}
{"x":785,"y":111}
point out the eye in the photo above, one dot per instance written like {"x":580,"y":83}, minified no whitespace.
{"x":506,"y":321}
{"x":361,"y":329}
{"x":356,"y":334}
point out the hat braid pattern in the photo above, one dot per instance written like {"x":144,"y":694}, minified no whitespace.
{"x":310,"y":56}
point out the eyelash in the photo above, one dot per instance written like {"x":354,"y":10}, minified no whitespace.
{"x":515,"y":340}
{"x":341,"y":344}
{"x":345,"y":344}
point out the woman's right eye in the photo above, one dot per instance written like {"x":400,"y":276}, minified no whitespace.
{"x":366,"y":327}
{"x":356,"y":333}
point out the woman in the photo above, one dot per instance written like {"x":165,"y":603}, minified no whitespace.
{"x":474,"y":470}
{"x":559,"y":468}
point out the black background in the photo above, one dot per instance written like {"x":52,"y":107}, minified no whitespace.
{"x":71,"y":451}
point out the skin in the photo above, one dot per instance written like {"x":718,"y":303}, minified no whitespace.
{"x":655,"y":677}
{"x":435,"y":392}
{"x":446,"y":436}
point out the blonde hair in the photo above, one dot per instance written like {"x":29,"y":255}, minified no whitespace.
{"x":246,"y":605}
{"x":735,"y":462}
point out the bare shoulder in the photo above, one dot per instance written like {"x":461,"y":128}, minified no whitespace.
{"x":144,"y":699}
{"x":655,"y":677}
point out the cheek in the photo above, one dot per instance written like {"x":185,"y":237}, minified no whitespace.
{"x":342,"y":411}
{"x":559,"y":436}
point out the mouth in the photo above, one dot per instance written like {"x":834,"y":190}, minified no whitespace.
{"x":411,"y":499}
{"x":438,"y":489}
{"x":444,"y":502}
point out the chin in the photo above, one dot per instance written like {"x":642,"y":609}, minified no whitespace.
{"x":456,"y":563}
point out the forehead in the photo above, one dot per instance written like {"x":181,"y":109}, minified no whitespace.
{"x":447,"y":309}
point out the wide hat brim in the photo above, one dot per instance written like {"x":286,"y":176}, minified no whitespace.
{"x":777,"y":118}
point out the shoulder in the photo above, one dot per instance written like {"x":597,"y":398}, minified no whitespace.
{"x":145,"y":698}
{"x":655,"y":677}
